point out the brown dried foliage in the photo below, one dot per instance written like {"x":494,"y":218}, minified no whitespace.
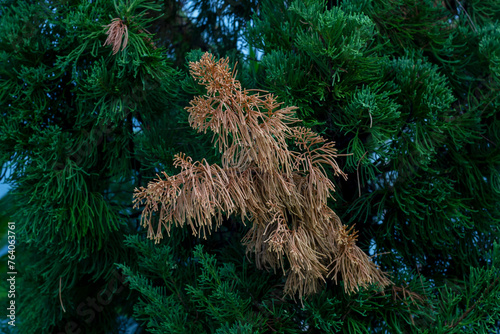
{"x":117,"y":35}
{"x":282,"y":192}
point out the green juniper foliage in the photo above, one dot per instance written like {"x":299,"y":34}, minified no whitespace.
{"x":408,"y":90}
{"x":69,"y":113}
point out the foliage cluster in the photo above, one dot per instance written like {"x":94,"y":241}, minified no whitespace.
{"x":408,"y":91}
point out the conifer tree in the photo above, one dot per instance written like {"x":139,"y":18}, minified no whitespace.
{"x":93,"y":99}
{"x":70,"y":105}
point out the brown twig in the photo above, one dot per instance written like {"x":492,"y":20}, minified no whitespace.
{"x":60,"y":298}
{"x":470,"y":309}
{"x":470,"y":20}
{"x":491,"y":142}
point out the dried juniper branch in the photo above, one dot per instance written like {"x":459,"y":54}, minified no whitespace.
{"x":262,"y":180}
{"x":117,"y":35}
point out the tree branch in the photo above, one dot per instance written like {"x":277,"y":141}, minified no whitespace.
{"x":470,"y":309}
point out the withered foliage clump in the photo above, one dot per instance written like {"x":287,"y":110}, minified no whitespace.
{"x":117,"y":35}
{"x":281,"y":191}
{"x":117,"y":32}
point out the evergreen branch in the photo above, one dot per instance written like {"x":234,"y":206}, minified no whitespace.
{"x":357,"y":172}
{"x":473,"y":306}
